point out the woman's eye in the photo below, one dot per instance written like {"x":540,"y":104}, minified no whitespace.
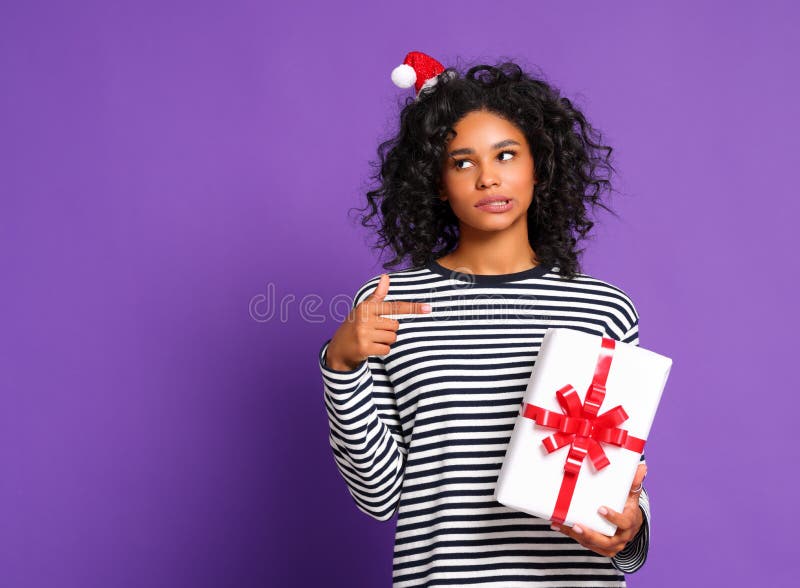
{"x":512,"y":153}
{"x":457,"y":162}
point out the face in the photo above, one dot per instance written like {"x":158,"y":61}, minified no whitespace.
{"x":488,"y":157}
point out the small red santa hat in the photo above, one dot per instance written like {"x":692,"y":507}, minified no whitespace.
{"x":418,"y":70}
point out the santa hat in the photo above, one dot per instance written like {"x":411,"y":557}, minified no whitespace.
{"x":418,"y":70}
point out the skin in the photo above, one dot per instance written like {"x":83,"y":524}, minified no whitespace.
{"x":365,"y":331}
{"x":489,"y":243}
{"x":628,"y":523}
{"x":489,"y":155}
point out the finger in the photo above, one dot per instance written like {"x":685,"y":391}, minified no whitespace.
{"x":627,"y":521}
{"x":589,"y":538}
{"x":612,"y":516}
{"x":641,"y":471}
{"x":568,"y":531}
{"x":380,"y":349}
{"x":380,"y":290}
{"x":387,"y":324}
{"x":593,"y":539}
{"x":384,"y":337}
{"x":403,"y":307}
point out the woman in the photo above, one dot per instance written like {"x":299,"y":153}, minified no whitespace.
{"x":485,"y":189}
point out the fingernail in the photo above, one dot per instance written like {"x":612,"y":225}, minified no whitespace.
{"x":554,"y":527}
{"x":577,"y":529}
{"x":602,"y":510}
{"x":426,"y":308}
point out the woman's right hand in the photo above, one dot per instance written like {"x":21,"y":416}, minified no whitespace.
{"x":365,"y":332}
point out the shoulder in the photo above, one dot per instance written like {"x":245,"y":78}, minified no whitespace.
{"x":609,"y":295}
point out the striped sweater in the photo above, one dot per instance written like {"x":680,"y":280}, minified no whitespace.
{"x":422,"y":431}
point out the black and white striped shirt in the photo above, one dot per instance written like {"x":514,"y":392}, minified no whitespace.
{"x":422,"y":431}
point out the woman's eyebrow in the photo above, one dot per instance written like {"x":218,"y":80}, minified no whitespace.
{"x":468,"y":151}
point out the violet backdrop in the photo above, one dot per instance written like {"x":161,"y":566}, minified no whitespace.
{"x":172,"y":172}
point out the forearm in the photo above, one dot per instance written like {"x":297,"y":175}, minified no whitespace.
{"x":634,"y":554}
{"x":367,"y":454}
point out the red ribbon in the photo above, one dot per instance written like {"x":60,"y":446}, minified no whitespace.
{"x":583,"y":429}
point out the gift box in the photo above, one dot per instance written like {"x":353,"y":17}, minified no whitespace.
{"x":582,"y":427}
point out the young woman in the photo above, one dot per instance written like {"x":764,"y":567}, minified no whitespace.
{"x":485,"y":189}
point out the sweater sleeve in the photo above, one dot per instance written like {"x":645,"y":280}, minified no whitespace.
{"x":634,"y":554}
{"x":365,"y":433}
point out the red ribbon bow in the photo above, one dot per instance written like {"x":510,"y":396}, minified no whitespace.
{"x":583,"y":429}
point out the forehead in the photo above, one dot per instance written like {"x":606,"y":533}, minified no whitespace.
{"x":480,"y":128}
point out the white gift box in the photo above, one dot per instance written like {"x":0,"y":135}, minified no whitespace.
{"x":531,"y":478}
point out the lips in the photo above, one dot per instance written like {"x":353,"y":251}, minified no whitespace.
{"x":497,"y":207}
{"x":490,"y":199}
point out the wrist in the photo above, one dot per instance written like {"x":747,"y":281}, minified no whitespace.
{"x":641,"y":523}
{"x":334,"y":363}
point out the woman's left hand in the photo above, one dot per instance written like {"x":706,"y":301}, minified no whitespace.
{"x":628,"y":523}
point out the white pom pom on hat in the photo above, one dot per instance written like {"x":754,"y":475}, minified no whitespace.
{"x":418,"y":69}
{"x":404,"y":76}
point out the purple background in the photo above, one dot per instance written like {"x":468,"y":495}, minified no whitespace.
{"x":173,"y":170}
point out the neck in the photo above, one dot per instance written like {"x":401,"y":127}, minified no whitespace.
{"x":492,"y":253}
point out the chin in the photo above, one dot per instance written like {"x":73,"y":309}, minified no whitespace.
{"x":492,"y":227}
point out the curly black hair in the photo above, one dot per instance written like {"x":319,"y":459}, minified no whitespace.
{"x":572,"y":166}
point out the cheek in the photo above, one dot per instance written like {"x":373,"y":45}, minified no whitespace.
{"x":525,"y":179}
{"x":524,"y":171}
{"x":452,"y":177}
{"x":455,"y":185}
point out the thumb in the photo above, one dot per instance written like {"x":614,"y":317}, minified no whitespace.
{"x":639,"y":477}
{"x":381,"y":289}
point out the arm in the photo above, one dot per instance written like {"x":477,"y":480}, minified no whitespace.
{"x":628,"y":548}
{"x":365,"y":434}
{"x":634,"y":554}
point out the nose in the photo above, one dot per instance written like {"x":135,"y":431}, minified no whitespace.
{"x":487,"y":177}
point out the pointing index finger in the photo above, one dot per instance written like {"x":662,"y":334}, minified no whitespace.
{"x":403,"y":307}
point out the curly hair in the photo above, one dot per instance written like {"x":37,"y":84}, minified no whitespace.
{"x":572,"y":166}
